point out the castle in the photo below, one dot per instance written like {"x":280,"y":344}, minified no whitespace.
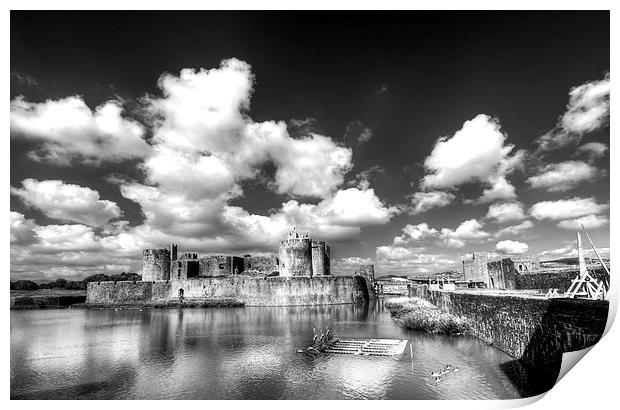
{"x":300,"y":275}
{"x":497,"y":274}
{"x":299,"y":255}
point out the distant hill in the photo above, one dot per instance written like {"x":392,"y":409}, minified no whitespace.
{"x":392,"y":276}
{"x":573,"y":261}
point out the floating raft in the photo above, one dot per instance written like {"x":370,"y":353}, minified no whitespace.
{"x":368,"y":347}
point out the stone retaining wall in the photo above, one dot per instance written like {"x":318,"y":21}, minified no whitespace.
{"x":534,"y":330}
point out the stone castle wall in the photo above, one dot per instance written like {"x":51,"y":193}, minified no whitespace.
{"x":527,"y":264}
{"x":156,"y":264}
{"x":535,"y":330}
{"x":216,"y":265}
{"x":295,"y":257}
{"x":260,"y":264}
{"x":476,"y":269}
{"x":368,"y":272}
{"x":273,"y":291}
{"x":126,"y":293}
{"x":502,"y":274}
{"x":320,"y":258}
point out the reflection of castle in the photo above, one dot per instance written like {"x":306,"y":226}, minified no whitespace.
{"x":299,"y":256}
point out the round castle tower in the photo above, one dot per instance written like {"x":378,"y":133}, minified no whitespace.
{"x":156,"y":264}
{"x":295,"y":255}
{"x":320,"y":258}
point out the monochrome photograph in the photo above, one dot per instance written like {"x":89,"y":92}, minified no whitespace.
{"x":306,"y":204}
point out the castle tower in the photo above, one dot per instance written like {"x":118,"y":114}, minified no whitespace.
{"x":155,"y":264}
{"x":295,"y":255}
{"x":320,"y":258}
{"x":172,"y":249}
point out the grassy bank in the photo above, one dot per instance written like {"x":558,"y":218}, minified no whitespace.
{"x":419,"y":314}
{"x":187,"y":303}
{"x":46,"y":298}
{"x":47,"y":292}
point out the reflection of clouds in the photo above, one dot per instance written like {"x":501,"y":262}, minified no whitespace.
{"x":360,"y":377}
{"x":53,"y":349}
{"x":236,"y":354}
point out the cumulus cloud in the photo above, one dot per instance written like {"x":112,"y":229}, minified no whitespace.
{"x":397,"y":253}
{"x":67,"y":202}
{"x":354,"y":260}
{"x":566,"y":208}
{"x":565,"y":251}
{"x":195,"y":174}
{"x":500,"y":189}
{"x":400,"y":260}
{"x":22,"y":229}
{"x":349,"y":264}
{"x":511,"y":247}
{"x":475,"y":153}
{"x":204,"y":146}
{"x":202,"y":119}
{"x":563,"y":176}
{"x":587,"y":110}
{"x":593,"y":149}
{"x":424,"y":201}
{"x":312,"y":166}
{"x":413,"y":233}
{"x":72,"y":251}
{"x":506,"y":212}
{"x":588,"y":222}
{"x":515,"y":229}
{"x":67,"y":129}
{"x":470,"y":230}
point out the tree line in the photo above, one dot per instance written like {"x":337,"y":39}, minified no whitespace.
{"x":61,"y":283}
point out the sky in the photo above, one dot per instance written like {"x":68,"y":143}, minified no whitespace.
{"x":407,"y":140}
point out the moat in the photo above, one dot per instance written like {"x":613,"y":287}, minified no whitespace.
{"x":243,"y":353}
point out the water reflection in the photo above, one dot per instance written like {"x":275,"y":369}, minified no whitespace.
{"x":240,"y":353}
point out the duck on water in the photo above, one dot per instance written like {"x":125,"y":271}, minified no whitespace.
{"x":439,"y":375}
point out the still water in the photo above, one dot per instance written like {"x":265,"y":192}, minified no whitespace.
{"x":242,"y":353}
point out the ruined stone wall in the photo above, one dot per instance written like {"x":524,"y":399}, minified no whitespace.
{"x":120,"y":293}
{"x":177,"y":271}
{"x":272,"y":291}
{"x":475,"y":269}
{"x":215,"y":265}
{"x":295,"y":257}
{"x":527,"y":264}
{"x":156,"y":264}
{"x":172,"y":249}
{"x":368,"y":272}
{"x":502,"y":274}
{"x":535,"y":330}
{"x":260,"y":264}
{"x":320,"y":258}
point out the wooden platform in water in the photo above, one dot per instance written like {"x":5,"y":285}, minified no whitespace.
{"x":368,"y":347}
